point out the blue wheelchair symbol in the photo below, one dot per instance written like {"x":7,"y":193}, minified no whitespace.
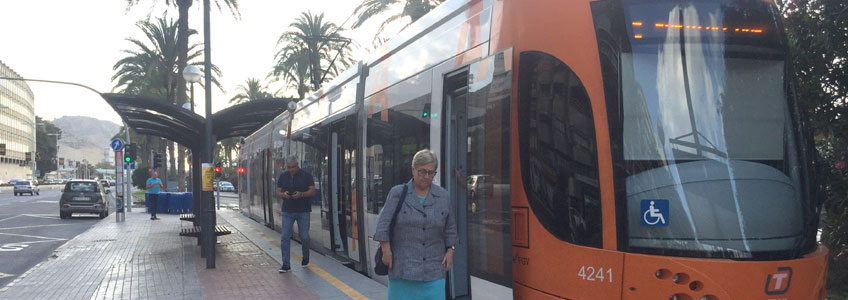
{"x":654,"y":212}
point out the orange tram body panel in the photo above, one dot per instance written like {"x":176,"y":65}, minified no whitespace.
{"x":592,"y":149}
{"x":547,"y":267}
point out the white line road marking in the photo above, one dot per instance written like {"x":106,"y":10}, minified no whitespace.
{"x":48,"y":201}
{"x":33,"y":236}
{"x":35,"y":226}
{"x":9,"y":218}
{"x":4,"y":275}
{"x":13,"y":247}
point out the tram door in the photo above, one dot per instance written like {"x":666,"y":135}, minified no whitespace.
{"x":476,"y":139}
{"x":456,"y":92}
{"x":342,"y":202}
{"x":268,"y":189}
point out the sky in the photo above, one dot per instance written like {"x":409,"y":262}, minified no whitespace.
{"x":80,"y":41}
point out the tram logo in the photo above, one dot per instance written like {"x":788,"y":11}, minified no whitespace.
{"x":778,"y":283}
{"x":654,"y":212}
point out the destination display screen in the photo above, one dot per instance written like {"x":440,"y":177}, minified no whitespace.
{"x":750,"y":23}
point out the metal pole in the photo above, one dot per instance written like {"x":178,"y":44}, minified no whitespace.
{"x":208,"y":205}
{"x":128,"y":178}
{"x":192,"y":96}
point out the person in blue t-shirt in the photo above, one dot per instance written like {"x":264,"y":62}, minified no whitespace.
{"x":296,"y":188}
{"x":153,"y":185}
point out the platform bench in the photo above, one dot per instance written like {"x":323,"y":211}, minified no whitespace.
{"x":195,"y":231}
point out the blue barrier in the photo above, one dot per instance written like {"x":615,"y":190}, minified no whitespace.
{"x":171,"y":203}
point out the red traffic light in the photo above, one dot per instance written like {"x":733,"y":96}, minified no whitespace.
{"x":241,"y":170}
{"x":217,"y":169}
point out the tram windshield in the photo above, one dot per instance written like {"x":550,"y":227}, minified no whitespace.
{"x":710,"y":150}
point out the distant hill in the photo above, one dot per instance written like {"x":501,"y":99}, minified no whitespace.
{"x":85,"y":138}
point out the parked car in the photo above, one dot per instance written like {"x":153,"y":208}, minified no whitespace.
{"x":226,"y":186}
{"x":26,"y":186}
{"x":480,"y":185}
{"x":83,"y":196}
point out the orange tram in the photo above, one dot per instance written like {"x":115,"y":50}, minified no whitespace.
{"x":610,"y":149}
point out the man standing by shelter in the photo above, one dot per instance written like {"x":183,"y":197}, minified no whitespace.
{"x":296,"y":188}
{"x":153,"y":184}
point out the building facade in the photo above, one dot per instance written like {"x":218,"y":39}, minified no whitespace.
{"x":17,"y":127}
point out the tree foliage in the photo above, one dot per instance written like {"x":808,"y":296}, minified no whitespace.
{"x":150,"y":69}
{"x":253,"y":89}
{"x":818,"y":37}
{"x":412,"y":9}
{"x":313,"y":52}
{"x":46,"y":150}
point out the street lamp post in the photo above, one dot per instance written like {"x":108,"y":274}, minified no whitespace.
{"x":208,"y":207}
{"x":192,"y":74}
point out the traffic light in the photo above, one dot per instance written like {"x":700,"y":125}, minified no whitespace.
{"x":129,"y":153}
{"x":426,"y":112}
{"x":157,"y":160}
{"x":218,"y":169}
{"x":241,"y":170}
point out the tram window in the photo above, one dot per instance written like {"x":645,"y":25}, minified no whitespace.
{"x":394,"y":135}
{"x":558,"y":150}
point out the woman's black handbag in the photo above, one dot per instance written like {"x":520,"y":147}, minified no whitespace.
{"x":379,"y":267}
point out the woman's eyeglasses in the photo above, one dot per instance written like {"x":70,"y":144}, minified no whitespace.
{"x":425,"y":172}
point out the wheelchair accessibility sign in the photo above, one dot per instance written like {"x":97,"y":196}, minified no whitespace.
{"x":654,"y":212}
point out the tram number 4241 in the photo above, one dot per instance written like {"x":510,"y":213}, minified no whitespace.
{"x":591,"y":274}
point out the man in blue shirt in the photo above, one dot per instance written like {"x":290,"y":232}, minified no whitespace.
{"x":296,"y":188}
{"x":153,"y":185}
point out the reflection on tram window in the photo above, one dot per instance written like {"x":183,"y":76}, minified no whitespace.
{"x":394,"y":135}
{"x":487,"y":169}
{"x":558,"y":149}
{"x":309,"y":145}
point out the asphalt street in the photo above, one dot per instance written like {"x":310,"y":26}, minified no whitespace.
{"x":31,"y":230}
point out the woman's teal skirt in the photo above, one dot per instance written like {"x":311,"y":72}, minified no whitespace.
{"x":413,"y":289}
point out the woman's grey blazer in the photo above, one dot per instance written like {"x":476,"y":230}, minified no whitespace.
{"x":422,"y":233}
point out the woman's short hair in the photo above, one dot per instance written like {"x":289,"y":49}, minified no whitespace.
{"x":423,"y":157}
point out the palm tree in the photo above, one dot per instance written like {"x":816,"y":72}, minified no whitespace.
{"x":183,"y":57}
{"x":151,"y":68}
{"x":315,"y":45}
{"x":253,"y":90}
{"x":293,"y":66}
{"x":414,"y":9}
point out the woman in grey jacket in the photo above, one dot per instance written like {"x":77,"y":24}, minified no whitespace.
{"x":420,"y":251}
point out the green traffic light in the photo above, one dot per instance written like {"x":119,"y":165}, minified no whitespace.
{"x":127,"y":159}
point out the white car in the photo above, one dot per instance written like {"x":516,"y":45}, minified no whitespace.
{"x":226,"y":186}
{"x":26,"y":187}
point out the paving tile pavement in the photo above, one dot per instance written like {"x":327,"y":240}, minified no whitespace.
{"x":244,"y":271}
{"x":136,"y":259}
{"x":144,"y":259}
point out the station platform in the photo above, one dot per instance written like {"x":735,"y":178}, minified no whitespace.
{"x":145,"y":259}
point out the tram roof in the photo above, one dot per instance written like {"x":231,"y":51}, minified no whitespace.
{"x":158,"y":117}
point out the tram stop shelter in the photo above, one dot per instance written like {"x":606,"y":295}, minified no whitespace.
{"x":161,"y":118}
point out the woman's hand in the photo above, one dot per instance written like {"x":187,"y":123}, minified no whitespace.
{"x":387,"y":253}
{"x":447,"y":261}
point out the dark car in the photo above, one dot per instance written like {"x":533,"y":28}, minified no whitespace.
{"x":26,"y":187}
{"x":83,"y":196}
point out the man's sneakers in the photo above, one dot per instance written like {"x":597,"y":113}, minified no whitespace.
{"x":285,"y":268}
{"x":154,"y":218}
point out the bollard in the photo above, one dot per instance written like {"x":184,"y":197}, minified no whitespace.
{"x":119,"y":209}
